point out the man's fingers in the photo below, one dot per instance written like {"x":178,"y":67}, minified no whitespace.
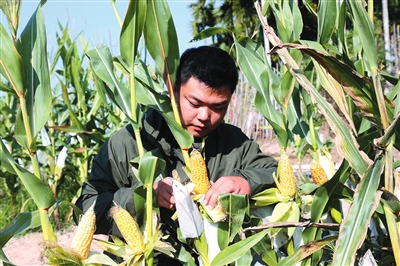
{"x":164,"y":193}
{"x":211,"y":196}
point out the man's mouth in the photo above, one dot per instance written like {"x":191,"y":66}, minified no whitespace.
{"x":198,"y":128}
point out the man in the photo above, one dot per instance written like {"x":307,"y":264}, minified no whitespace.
{"x":206,"y":80}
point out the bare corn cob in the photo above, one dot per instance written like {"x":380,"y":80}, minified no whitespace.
{"x":128,"y":228}
{"x":317,"y":173}
{"x":286,"y":177}
{"x":84,"y":234}
{"x":198,"y":172}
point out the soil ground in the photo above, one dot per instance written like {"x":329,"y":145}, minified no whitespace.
{"x":27,"y":250}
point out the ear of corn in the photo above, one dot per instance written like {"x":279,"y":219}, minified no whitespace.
{"x":287,"y":181}
{"x":128,"y":227}
{"x":84,"y":234}
{"x":318,"y":174}
{"x":217,"y":214}
{"x":198,"y":173}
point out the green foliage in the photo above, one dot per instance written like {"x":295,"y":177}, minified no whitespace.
{"x":45,"y":163}
{"x":343,"y":68}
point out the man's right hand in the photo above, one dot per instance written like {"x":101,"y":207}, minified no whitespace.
{"x":164,"y":193}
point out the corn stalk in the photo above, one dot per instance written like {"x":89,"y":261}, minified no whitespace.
{"x":21,"y":65}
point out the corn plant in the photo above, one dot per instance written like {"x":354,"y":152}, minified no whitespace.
{"x":364,"y":124}
{"x":23,"y":65}
{"x":281,"y":227}
{"x":48,"y":133}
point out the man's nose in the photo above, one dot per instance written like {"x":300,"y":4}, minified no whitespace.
{"x":203,"y":113}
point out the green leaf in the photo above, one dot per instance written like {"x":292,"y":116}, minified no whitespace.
{"x":4,"y":259}
{"x":132,"y":30}
{"x":335,"y":90}
{"x":182,"y":136}
{"x":6,"y":164}
{"x":151,"y":93}
{"x":281,"y":134}
{"x":342,"y":26}
{"x":161,"y":40}
{"x":22,"y":222}
{"x":11,"y":8}
{"x":11,"y":63}
{"x":306,"y":250}
{"x":282,"y":31}
{"x":202,"y":248}
{"x":150,"y":167}
{"x":297,"y":21}
{"x":246,"y":259}
{"x":354,"y":227}
{"x":209,"y":32}
{"x":390,"y":131}
{"x":76,"y":81}
{"x":256,"y":73}
{"x":237,"y":206}
{"x":365,"y":31}
{"x":392,"y":227}
{"x":7,"y":88}
{"x":74,"y":121}
{"x":102,"y":65}
{"x":268,"y":197}
{"x":359,"y":88}
{"x":140,"y":204}
{"x":391,"y":201}
{"x":281,"y":211}
{"x":32,"y":46}
{"x":266,"y":251}
{"x":40,"y":192}
{"x":294,"y":216}
{"x":327,"y":11}
{"x":364,"y":27}
{"x":237,"y":250}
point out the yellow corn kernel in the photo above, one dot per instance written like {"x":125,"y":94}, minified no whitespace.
{"x":128,"y":227}
{"x":318,"y":174}
{"x":286,"y":177}
{"x":198,"y":172}
{"x":84,"y":234}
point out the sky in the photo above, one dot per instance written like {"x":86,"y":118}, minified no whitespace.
{"x":97,"y":22}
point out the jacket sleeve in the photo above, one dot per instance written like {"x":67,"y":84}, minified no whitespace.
{"x":111,"y":179}
{"x":256,"y":167}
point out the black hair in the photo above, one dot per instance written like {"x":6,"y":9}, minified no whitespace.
{"x":210,"y":65}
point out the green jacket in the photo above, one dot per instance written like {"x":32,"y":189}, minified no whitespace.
{"x":228,"y":151}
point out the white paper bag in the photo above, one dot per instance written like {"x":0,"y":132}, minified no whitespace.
{"x":190,"y":221}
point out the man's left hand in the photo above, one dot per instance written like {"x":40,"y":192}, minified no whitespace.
{"x":226,"y":184}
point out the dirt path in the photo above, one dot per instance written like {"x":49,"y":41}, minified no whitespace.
{"x":26,"y":250}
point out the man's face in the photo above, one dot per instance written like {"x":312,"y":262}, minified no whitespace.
{"x":201,"y":108}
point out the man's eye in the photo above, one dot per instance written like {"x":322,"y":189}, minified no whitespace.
{"x":194,"y":104}
{"x":219,"y":108}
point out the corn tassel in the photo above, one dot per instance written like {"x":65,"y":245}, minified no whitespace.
{"x":84,"y":234}
{"x":128,"y":227}
{"x":287,"y":181}
{"x":198,"y":173}
{"x":318,"y":174}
